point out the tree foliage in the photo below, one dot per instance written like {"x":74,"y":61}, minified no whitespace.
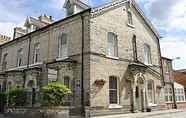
{"x":54,"y":93}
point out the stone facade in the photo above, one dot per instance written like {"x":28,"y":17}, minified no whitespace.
{"x":139,"y":85}
{"x":4,"y":39}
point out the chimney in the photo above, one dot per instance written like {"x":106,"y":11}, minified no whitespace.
{"x":18,"y":32}
{"x":46,"y":19}
{"x":4,"y":39}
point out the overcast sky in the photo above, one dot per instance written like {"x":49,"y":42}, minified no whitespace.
{"x":168,"y":16}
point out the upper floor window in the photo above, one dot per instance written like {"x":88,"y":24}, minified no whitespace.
{"x":167,"y":67}
{"x":112,"y":45}
{"x":130,"y":19}
{"x":37,"y":56}
{"x":147,"y":51}
{"x":20,"y":57}
{"x":4,"y":63}
{"x":31,"y":28}
{"x":63,"y":46}
{"x":134,"y":48}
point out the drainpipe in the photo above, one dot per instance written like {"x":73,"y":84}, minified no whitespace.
{"x":82,"y":69}
{"x":28,"y":59}
{"x":174,"y":97}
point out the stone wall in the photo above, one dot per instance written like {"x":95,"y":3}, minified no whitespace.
{"x":38,"y":113}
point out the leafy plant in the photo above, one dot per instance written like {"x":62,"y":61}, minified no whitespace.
{"x":17,"y":97}
{"x":54,"y":93}
{"x":3,"y":97}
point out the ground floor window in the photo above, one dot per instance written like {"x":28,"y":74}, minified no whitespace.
{"x":168,"y":94}
{"x":113,"y":93}
{"x":150,"y":87}
{"x":179,"y":94}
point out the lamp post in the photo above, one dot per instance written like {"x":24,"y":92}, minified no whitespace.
{"x":174,"y":95}
{"x":174,"y":63}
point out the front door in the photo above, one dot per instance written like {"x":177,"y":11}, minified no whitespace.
{"x":139,"y":99}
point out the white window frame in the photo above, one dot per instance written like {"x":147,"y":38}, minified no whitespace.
{"x":37,"y":47}
{"x":179,"y":94}
{"x":61,"y":49}
{"x":4,"y":62}
{"x":153,"y":91}
{"x":112,"y":45}
{"x":116,"y":105}
{"x":147,"y":54}
{"x":20,"y":53}
{"x":130,"y":18}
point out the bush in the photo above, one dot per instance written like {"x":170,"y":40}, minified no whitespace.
{"x":54,"y":93}
{"x":17,"y":97}
{"x":3,"y":97}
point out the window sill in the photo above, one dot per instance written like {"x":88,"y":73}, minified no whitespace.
{"x":61,"y":58}
{"x":130,"y":25}
{"x":148,"y":64}
{"x":152,"y":105}
{"x":35,"y":64}
{"x":111,"y":57}
{"x":115,"y":106}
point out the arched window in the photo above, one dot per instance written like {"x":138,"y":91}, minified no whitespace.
{"x":113,"y":90}
{"x":134,"y":48}
{"x":130,"y":19}
{"x":112,"y":45}
{"x":147,"y":55}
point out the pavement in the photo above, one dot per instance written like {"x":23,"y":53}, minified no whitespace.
{"x":156,"y":114}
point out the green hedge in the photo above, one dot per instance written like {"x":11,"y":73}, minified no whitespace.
{"x":17,"y":97}
{"x":3,"y":97}
{"x":54,"y":93}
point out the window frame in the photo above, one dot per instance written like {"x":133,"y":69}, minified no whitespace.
{"x":147,"y":54}
{"x":60,"y":46}
{"x":20,"y":54}
{"x":112,"y":45}
{"x":4,"y":61}
{"x":130,"y":18}
{"x":115,"y":89}
{"x":134,"y":45}
{"x":37,"y":58}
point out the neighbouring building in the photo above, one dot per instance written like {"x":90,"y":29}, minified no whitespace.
{"x":32,"y":24}
{"x":180,"y":79}
{"x":109,"y":56}
{"x":4,"y":39}
{"x":169,"y":83}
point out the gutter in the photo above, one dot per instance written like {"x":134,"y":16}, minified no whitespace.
{"x":82,"y":69}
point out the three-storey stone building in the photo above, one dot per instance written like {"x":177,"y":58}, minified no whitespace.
{"x":109,"y":56}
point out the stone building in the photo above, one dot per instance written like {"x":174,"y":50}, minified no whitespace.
{"x":32,"y":24}
{"x":169,"y":83}
{"x":109,"y":56}
{"x":4,"y":39}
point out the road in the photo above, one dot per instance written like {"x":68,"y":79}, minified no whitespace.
{"x":171,"y":115}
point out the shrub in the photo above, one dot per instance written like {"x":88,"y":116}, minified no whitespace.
{"x":3,"y":97}
{"x":53,"y":94}
{"x":17,"y":97}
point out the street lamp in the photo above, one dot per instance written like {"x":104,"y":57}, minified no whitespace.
{"x":174,"y":95}
{"x":174,"y":63}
